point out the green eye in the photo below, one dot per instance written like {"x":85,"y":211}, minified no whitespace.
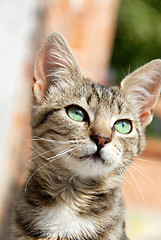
{"x":76,"y":113}
{"x":123,"y":126}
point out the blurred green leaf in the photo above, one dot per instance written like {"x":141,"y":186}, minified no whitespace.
{"x":138,"y":41}
{"x":138,"y":38}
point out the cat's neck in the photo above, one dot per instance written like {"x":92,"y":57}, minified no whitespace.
{"x":60,"y":184}
{"x":80,"y":203}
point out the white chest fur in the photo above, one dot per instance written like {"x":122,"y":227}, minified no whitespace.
{"x":63,"y":222}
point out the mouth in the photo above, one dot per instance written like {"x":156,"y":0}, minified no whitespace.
{"x":96,"y":157}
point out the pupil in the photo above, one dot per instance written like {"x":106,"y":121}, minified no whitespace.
{"x":77,"y":111}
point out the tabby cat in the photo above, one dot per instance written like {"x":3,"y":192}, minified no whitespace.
{"x":84,"y":137}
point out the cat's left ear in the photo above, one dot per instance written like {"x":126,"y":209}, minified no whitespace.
{"x":142,"y":88}
{"x":55,"y":66}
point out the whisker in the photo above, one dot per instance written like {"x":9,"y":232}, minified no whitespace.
{"x":52,"y":159}
{"x":120,"y":172}
{"x":138,"y":188}
{"x":122,"y":168}
{"x":60,"y":154}
{"x":42,"y":154}
{"x":69,"y":157}
{"x":57,"y":141}
{"x":138,"y":166}
{"x":136,"y":196}
{"x":149,"y":161}
{"x":143,"y":174}
{"x":28,"y":155}
{"x":48,"y":140}
{"x":38,"y":139}
{"x":141,"y":159}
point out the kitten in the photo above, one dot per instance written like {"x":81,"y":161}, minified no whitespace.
{"x":84,"y":137}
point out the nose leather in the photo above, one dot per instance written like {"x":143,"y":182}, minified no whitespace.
{"x":100,"y":141}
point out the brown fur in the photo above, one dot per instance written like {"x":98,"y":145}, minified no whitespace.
{"x":78,"y":166}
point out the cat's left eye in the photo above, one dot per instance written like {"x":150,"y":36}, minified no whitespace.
{"x":77,"y":113}
{"x":123,"y":126}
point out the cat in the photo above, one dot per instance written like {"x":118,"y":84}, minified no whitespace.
{"x":84,"y":137}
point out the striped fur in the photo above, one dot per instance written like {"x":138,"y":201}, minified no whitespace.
{"x":74,"y":186}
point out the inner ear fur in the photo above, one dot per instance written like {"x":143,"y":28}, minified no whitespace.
{"x":142,"y":87}
{"x":55,"y":65}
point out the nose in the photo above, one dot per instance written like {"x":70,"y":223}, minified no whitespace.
{"x":100,"y":141}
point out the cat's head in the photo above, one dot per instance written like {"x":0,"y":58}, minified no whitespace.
{"x":80,"y":125}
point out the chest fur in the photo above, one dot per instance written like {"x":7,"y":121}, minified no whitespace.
{"x":62,"y":221}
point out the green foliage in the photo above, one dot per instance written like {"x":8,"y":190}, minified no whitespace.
{"x":154,"y":129}
{"x":138,"y":41}
{"x":138,"y":38}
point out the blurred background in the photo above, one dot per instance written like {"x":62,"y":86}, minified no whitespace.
{"x":110,"y":38}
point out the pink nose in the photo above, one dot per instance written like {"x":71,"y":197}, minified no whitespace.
{"x":100,"y":141}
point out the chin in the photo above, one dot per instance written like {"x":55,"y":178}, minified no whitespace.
{"x":90,"y":167}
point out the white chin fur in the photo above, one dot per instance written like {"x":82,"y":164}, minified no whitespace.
{"x":94,"y":167}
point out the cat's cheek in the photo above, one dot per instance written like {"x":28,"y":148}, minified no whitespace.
{"x":111,"y":155}
{"x":88,"y":148}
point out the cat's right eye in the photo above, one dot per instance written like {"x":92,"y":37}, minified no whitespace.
{"x":123,"y":126}
{"x":77,"y":113}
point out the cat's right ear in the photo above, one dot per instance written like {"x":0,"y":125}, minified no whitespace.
{"x":55,"y":66}
{"x":142,"y":88}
